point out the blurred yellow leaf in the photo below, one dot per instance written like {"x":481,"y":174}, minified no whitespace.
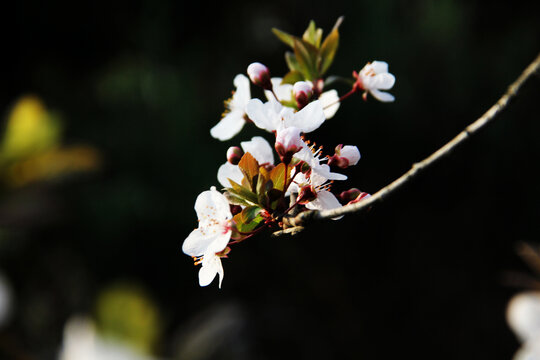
{"x":52,"y":164}
{"x":31,"y":149}
{"x":30,"y":129}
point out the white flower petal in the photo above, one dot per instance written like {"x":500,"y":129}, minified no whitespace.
{"x":351,"y":153}
{"x":523,"y":315}
{"x":211,"y":266}
{"x":211,"y":205}
{"x":330,"y":102}
{"x":323,"y":170}
{"x":382,"y":96}
{"x":242,"y":94}
{"x":305,"y":154}
{"x":379,"y":66}
{"x":260,"y":149}
{"x":282,"y":91}
{"x":529,"y":350}
{"x":383,"y":81}
{"x":325,"y":201}
{"x":265,"y":116}
{"x":198,"y":241}
{"x":229,"y":126}
{"x":229,"y":171}
{"x":309,"y":118}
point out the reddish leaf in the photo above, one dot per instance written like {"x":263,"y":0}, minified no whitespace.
{"x":250,"y":168}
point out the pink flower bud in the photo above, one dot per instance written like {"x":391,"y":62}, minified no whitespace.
{"x":288,"y":143}
{"x":302,"y":90}
{"x":345,"y":156}
{"x":259,"y":75}
{"x":234,"y":154}
{"x":353,"y":195}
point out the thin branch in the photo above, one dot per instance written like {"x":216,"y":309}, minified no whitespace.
{"x":298,"y":222}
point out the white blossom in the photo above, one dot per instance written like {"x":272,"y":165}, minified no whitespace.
{"x":345,"y":156}
{"x":375,"y":77}
{"x":284,"y":92}
{"x":330,"y":102}
{"x":234,"y":121}
{"x":523,"y":317}
{"x":288,"y":142}
{"x":212,"y":235}
{"x":318,"y":178}
{"x":271,"y":115}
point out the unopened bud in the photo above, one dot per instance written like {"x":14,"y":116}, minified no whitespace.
{"x":234,"y":154}
{"x":259,"y":75}
{"x":235,"y":209}
{"x":345,"y":156}
{"x":353,"y":195}
{"x":306,"y":194}
{"x":302,"y":91}
{"x":318,"y":87}
{"x":288,"y":143}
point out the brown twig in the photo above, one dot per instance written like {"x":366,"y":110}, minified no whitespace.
{"x":301,"y":219}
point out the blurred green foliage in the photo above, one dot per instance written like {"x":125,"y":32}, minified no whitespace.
{"x":126,"y":313}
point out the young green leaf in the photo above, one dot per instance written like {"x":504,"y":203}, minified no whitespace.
{"x":249,"y":213}
{"x":292,"y":77}
{"x":306,"y":55}
{"x":291,"y":61}
{"x":241,"y":228}
{"x":234,"y":199}
{"x":329,"y":48}
{"x":243,"y":193}
{"x":283,"y":36}
{"x":309,"y":34}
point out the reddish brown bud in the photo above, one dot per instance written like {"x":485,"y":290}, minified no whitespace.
{"x":235,"y":209}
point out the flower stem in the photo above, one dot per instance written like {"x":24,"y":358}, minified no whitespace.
{"x":353,"y":90}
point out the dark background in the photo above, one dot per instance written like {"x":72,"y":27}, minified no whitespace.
{"x":421,"y":275}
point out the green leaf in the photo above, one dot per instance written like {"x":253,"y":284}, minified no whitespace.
{"x":292,"y":77}
{"x":243,"y":227}
{"x":243,"y":193}
{"x":309,"y":34}
{"x":284,"y":37}
{"x":329,"y":48}
{"x":306,"y":55}
{"x":235,"y":199}
{"x":249,"y":213}
{"x":313,"y":35}
{"x":250,"y":168}
{"x":291,"y":61}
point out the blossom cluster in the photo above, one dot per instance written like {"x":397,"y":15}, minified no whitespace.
{"x":259,"y":188}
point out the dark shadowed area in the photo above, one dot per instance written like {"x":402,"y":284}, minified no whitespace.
{"x":92,"y":223}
